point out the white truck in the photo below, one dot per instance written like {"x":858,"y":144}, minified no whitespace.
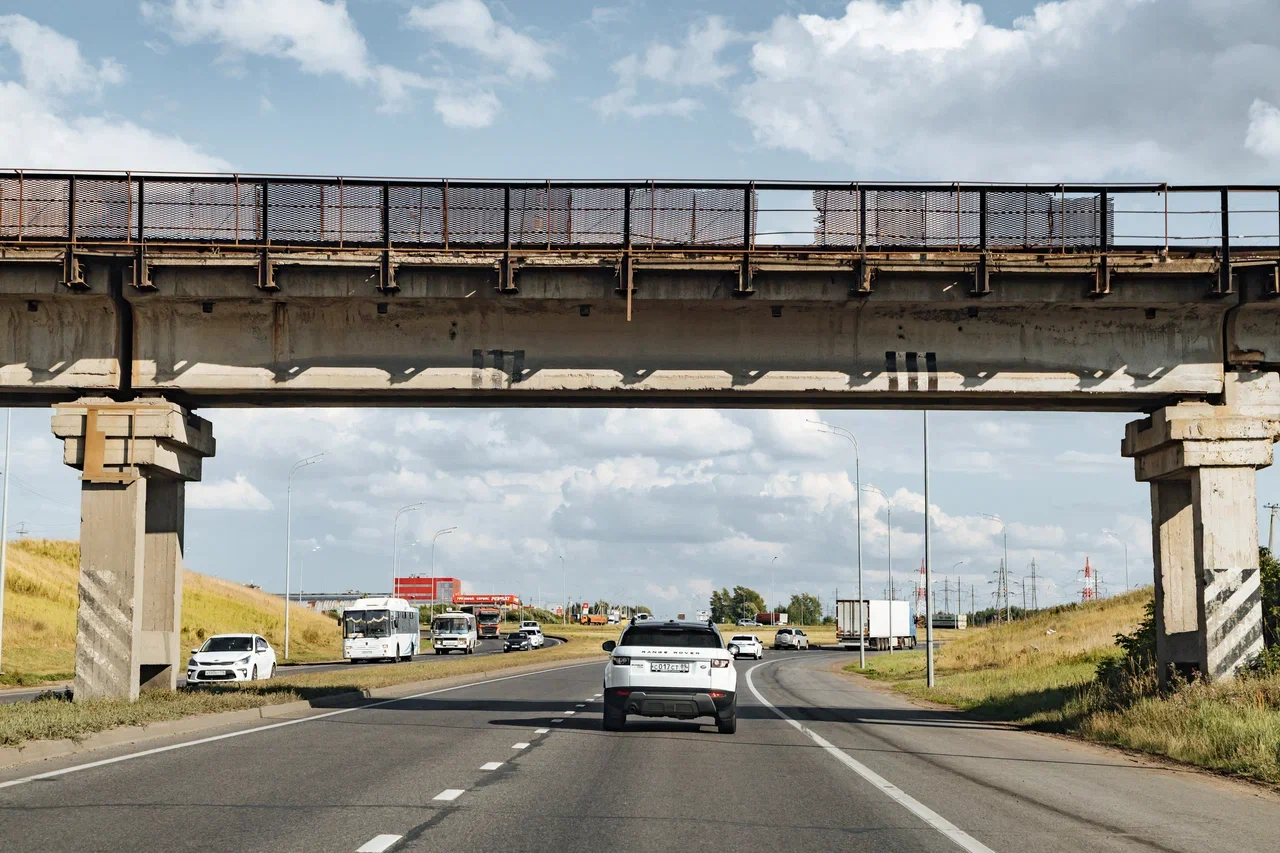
{"x":887,"y":625}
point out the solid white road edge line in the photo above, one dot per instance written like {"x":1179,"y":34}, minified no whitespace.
{"x":449,"y":794}
{"x":379,"y":843}
{"x":901,"y":797}
{"x":53,"y":774}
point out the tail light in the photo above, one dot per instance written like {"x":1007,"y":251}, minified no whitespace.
{"x":716,"y":694}
{"x":622,"y":660}
{"x":623,"y":692}
{"x":719,"y":663}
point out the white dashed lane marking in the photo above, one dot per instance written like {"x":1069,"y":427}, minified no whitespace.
{"x":557,"y":720}
{"x":541,"y":731}
{"x":491,"y":765}
{"x":597,"y":696}
{"x":568,"y":713}
{"x":579,"y":706}
{"x":449,"y":794}
{"x":379,"y":843}
{"x":521,"y":745}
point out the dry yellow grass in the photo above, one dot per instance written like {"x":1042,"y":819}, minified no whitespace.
{"x":41,"y":583}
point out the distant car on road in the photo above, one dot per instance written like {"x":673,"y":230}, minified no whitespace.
{"x":748,"y":623}
{"x":231,"y":657}
{"x":790,"y":638}
{"x":670,"y":669}
{"x":536,"y":639}
{"x":518,"y":641}
{"x":641,"y":617}
{"x":746,"y":646}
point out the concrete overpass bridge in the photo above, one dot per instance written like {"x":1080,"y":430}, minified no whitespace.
{"x":131,"y":299}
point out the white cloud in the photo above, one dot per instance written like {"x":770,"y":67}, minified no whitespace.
{"x":468,"y":24}
{"x":666,"y":593}
{"x":40,"y":129}
{"x":237,"y":493}
{"x":1263,"y":137}
{"x":320,"y":37}
{"x":929,"y":88}
{"x":51,"y":62}
{"x":694,"y":62}
{"x":478,"y":109}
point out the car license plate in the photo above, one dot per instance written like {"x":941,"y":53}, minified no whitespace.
{"x":664,"y":666}
{"x":214,"y":672}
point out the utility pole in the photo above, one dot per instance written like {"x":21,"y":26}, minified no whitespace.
{"x":1271,"y":532}
{"x":1035,"y":605}
{"x":928,"y":558}
{"x":288,"y":538}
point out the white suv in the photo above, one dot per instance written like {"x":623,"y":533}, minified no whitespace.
{"x":535,"y":633}
{"x":790,"y":638}
{"x":670,"y":669}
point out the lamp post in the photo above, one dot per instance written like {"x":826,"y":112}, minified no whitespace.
{"x":300,"y":569}
{"x":395,"y":544}
{"x":1004,"y":582}
{"x":888,"y":511}
{"x":441,"y":532}
{"x":1126,"y":557}
{"x":928,"y":563}
{"x":564,"y":591}
{"x":4,"y":520}
{"x":857,"y":497}
{"x":773,"y":589}
{"x":288,"y":538}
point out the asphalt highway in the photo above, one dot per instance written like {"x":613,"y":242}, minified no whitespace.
{"x":819,"y":763}
{"x":486,"y":647}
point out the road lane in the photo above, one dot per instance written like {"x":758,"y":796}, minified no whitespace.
{"x":486,"y":767}
{"x":486,"y":647}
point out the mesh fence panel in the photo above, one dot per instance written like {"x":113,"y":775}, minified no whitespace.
{"x":204,"y":212}
{"x":417,"y":215}
{"x":476,"y":215}
{"x":324,"y":213}
{"x":106,"y":209}
{"x":680,"y":216}
{"x":33,"y":207}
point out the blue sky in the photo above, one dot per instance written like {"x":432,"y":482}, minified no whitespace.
{"x":646,"y":507}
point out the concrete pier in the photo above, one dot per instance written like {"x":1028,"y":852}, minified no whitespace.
{"x":137,"y":459}
{"x":1201,"y":462}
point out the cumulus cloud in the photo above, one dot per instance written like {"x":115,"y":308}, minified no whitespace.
{"x":237,"y":493}
{"x":694,"y":62}
{"x":42,"y":128}
{"x":1263,"y":137}
{"x":930,"y":88}
{"x":468,"y":24}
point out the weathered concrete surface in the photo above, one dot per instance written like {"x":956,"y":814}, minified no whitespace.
{"x":131,"y":533}
{"x":205,"y":332}
{"x":1201,"y":462}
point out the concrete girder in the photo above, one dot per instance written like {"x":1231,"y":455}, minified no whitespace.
{"x":136,"y":459}
{"x":1201,"y":462}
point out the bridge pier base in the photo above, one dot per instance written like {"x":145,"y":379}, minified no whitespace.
{"x":137,"y":459}
{"x":1201,"y":462}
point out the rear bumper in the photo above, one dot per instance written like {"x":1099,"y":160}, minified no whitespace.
{"x":669,"y":702}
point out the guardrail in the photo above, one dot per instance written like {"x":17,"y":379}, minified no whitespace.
{"x":284,"y":212}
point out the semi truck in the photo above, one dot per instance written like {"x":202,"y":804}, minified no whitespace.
{"x":885,"y":625}
{"x":488,"y":619}
{"x":778,"y":618}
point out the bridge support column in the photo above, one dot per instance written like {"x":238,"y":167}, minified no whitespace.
{"x":137,"y":459}
{"x":1201,"y":462}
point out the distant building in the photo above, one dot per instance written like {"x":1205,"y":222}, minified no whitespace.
{"x":425,"y":590}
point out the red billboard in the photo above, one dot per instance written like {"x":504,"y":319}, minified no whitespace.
{"x":424,"y":590}
{"x":497,"y":600}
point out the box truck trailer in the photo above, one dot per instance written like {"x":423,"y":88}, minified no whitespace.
{"x":885,"y":624}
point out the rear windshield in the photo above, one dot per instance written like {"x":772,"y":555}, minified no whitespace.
{"x":670,"y":637}
{"x":746,"y":637}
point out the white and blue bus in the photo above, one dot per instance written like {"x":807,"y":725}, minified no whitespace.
{"x":454,"y":631}
{"x":380,"y":629}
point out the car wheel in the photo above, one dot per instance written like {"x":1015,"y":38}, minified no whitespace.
{"x":615,"y":719}
{"x":271,"y":673}
{"x":728,"y":724}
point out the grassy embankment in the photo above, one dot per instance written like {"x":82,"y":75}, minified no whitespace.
{"x":1040,"y":672}
{"x":41,"y":582}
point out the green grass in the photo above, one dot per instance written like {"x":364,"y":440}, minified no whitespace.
{"x":1024,"y":674}
{"x":41,"y":593}
{"x":54,"y":717}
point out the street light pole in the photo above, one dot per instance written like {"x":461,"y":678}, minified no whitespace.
{"x":857,"y":498}
{"x":442,"y":532}
{"x":564,"y":591}
{"x":1126,"y":556}
{"x":773,"y":589}
{"x":395,"y":545}
{"x":928,"y":563}
{"x":4,"y":520}
{"x":888,"y":511}
{"x":288,"y":539}
{"x":300,"y":568}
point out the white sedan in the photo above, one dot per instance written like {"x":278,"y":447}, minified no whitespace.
{"x":536,"y":639}
{"x":746,"y":646}
{"x":231,"y":657}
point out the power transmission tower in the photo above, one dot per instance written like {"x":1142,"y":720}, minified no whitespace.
{"x":1035,"y":605}
{"x":1002,"y":590}
{"x":1271,"y":532}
